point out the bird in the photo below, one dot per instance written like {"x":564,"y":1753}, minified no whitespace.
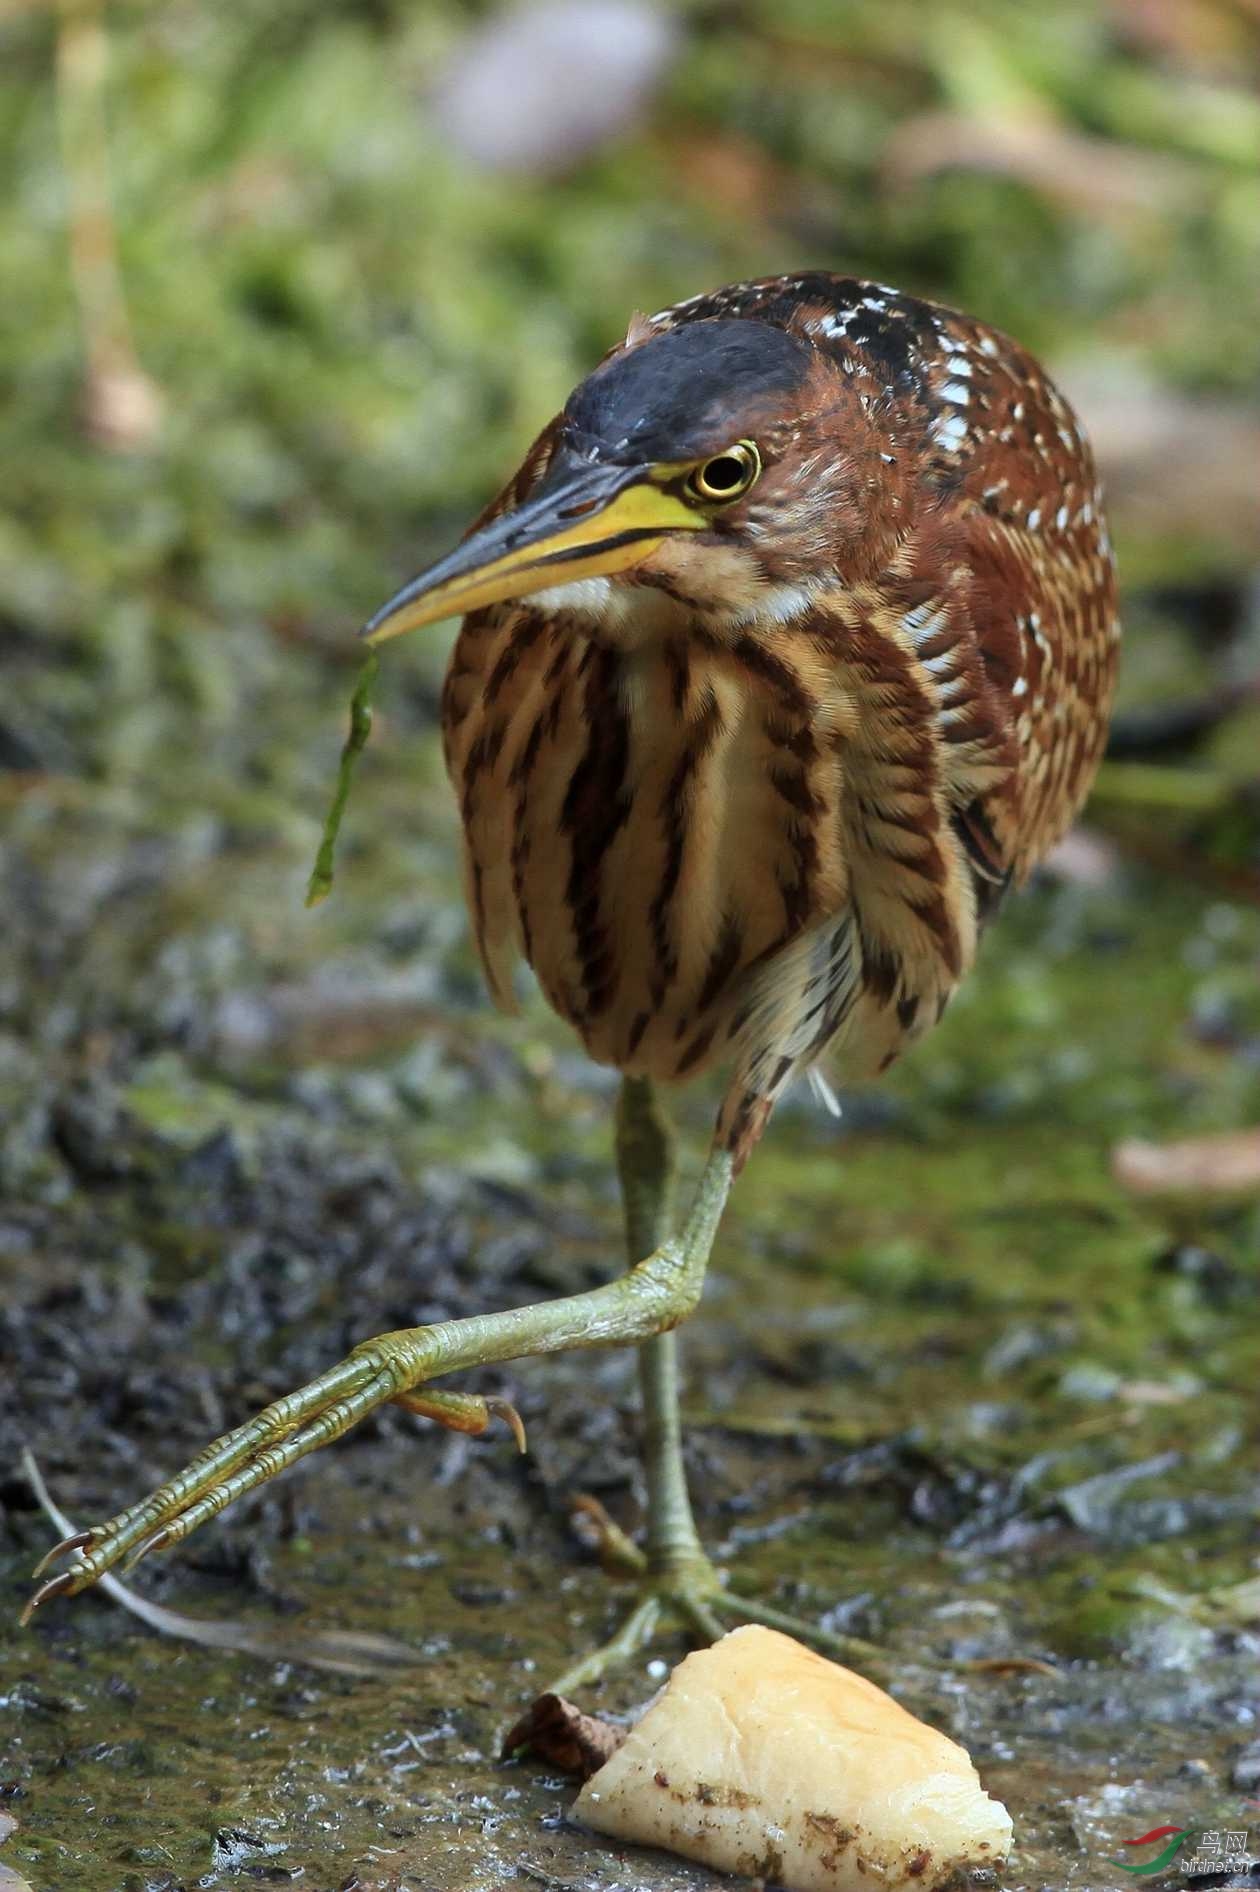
{"x":787,"y":652}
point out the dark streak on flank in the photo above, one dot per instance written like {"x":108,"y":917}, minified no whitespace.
{"x":741,"y":1015}
{"x":935,"y":915}
{"x":679,"y":668}
{"x":596,"y":807}
{"x":723,"y":961}
{"x":674,"y":817}
{"x":793,"y":787}
{"x":637,"y":1029}
{"x":695,"y":1051}
{"x":559,"y":658}
{"x":780,"y":1074}
{"x":781,"y":677}
{"x":526,"y":635}
{"x":495,"y":737}
{"x":795,"y":894}
{"x":880,"y":970}
{"x":474,"y":762}
{"x":519,"y":779}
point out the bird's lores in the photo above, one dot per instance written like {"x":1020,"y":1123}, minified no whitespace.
{"x":787,"y":650}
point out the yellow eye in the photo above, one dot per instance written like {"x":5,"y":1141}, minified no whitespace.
{"x":727,"y":475}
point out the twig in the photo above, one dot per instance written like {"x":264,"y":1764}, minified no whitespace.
{"x":345,"y":1652}
{"x":122,"y":406}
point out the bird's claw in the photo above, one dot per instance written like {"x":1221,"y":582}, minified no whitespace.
{"x":63,"y":1584}
{"x":158,"y":1541}
{"x":77,"y":1540}
{"x":465,"y":1412}
{"x":590,"y":1523}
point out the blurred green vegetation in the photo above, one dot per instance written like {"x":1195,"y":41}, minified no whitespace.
{"x":349,"y":332}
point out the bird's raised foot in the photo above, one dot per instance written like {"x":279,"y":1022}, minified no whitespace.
{"x":251,"y":1454}
{"x":652,"y":1298}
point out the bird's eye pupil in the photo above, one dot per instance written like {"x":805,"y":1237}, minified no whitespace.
{"x":724,"y":473}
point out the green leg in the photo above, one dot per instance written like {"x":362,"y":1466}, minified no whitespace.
{"x":645,"y":1163}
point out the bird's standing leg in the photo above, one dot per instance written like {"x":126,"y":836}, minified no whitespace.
{"x":678,"y":1579}
{"x":645,"y":1164}
{"x":675,"y":1572}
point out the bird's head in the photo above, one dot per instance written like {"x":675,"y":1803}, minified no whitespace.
{"x":722,"y":467}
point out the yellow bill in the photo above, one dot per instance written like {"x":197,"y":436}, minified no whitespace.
{"x":593,"y":521}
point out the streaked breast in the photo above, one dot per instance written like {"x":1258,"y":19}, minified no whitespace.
{"x":643,"y":827}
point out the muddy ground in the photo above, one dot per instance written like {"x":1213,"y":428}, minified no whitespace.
{"x":950,"y":1388}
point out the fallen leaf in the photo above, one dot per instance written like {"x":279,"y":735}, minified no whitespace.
{"x":563,"y":1736}
{"x":1011,"y":1665}
{"x":1225,"y":1164}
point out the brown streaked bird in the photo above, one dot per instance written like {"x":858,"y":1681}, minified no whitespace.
{"x":786,"y":652}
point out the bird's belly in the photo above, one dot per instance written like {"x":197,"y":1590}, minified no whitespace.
{"x":646,"y":837}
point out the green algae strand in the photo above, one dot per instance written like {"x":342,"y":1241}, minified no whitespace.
{"x":319,"y":886}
